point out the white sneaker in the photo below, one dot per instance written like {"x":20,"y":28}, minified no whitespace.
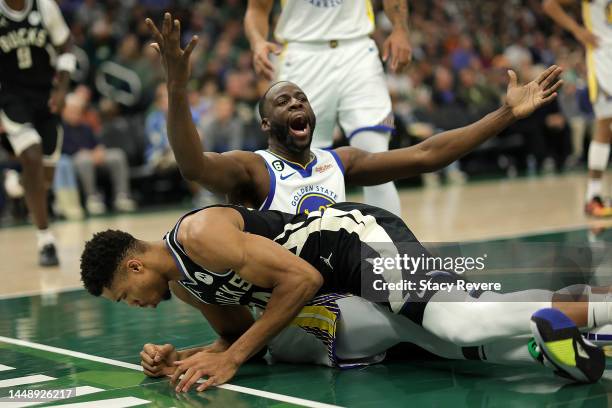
{"x":95,"y":205}
{"x":12,"y":185}
{"x":124,"y":204}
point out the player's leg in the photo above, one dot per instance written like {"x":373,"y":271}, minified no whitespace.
{"x":598,"y":156}
{"x":365,"y":114}
{"x":366,"y":329}
{"x":27,"y":144}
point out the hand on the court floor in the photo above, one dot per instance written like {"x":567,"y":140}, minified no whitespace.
{"x":168,"y":43}
{"x":398,"y":47}
{"x":525,"y":99}
{"x":261,"y":58}
{"x":158,"y":361}
{"x":218,"y":367}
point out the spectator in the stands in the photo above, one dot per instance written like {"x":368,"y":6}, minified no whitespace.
{"x":90,"y":156}
{"x":225,"y":130}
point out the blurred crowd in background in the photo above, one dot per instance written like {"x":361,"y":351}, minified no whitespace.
{"x":117,"y":155}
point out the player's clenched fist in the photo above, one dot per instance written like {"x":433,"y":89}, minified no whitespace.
{"x":158,"y":361}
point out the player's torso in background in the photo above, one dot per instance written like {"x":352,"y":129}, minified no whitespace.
{"x":301,"y":189}
{"x":324,"y":20}
{"x":597,"y":17}
{"x":26,"y":52}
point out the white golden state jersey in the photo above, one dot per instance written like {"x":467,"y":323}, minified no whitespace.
{"x":324,"y":20}
{"x":299,"y":189}
{"x":597,"y":17}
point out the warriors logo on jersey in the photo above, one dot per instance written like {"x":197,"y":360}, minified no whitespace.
{"x":301,"y":189}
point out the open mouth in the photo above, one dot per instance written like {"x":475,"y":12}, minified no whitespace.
{"x":299,"y":126}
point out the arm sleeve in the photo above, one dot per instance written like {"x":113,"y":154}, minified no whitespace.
{"x":54,"y":22}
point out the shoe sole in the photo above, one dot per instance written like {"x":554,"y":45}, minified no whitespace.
{"x":565,"y":348}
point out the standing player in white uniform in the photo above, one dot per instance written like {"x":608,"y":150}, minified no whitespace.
{"x":329,"y":54}
{"x":291,"y":177}
{"x":34,"y":76}
{"x":596,"y":36}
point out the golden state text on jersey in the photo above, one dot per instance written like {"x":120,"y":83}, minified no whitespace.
{"x":296,"y":188}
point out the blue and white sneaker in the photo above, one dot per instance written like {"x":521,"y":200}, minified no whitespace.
{"x":564,"y":348}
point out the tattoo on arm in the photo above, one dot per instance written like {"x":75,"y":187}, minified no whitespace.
{"x":397,"y":11}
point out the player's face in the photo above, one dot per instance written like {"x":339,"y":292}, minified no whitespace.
{"x":291,"y":119}
{"x":138,"y":286}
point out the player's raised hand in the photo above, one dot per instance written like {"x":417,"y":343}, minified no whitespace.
{"x":158,"y":361}
{"x":168,"y":43}
{"x":397,"y":46}
{"x":218,"y":367}
{"x":524,"y":99}
{"x":261,"y":58}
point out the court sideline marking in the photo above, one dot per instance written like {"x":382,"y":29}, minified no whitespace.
{"x":104,"y":360}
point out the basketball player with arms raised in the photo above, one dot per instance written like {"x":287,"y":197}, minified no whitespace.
{"x":292,"y":177}
{"x":596,"y":36}
{"x":34,"y":76}
{"x":328,"y":53}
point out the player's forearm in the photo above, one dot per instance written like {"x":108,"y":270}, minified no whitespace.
{"x":397,"y":12}
{"x":285,"y":303}
{"x":256,"y":24}
{"x":183,"y":135}
{"x":555,"y":11}
{"x":444,"y":148}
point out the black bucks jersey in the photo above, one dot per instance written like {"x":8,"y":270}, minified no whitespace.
{"x":28,"y":39}
{"x":334,"y":242}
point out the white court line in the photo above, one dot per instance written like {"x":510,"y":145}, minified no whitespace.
{"x":108,"y":403}
{"x":79,"y":391}
{"x":104,"y":360}
{"x":30,"y":379}
{"x":5,"y":368}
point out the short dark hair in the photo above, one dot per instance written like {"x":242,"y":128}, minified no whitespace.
{"x":101,"y":257}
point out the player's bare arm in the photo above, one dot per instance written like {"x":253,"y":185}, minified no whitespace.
{"x":438,"y":151}
{"x":397,"y":45}
{"x":224,"y":173}
{"x":554,"y":9}
{"x":229,"y":322}
{"x":257,"y":28}
{"x":214,"y":239}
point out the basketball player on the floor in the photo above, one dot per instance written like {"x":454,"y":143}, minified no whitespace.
{"x":265,"y":180}
{"x":293,"y":177}
{"x":328,"y":53}
{"x":596,"y":36}
{"x":224,"y":259}
{"x":35,"y":66}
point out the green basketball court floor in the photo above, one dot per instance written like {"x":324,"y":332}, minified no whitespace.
{"x":74,"y":341}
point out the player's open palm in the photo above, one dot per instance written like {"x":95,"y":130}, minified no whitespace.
{"x":168,"y":43}
{"x":158,"y":361}
{"x":524,"y":99}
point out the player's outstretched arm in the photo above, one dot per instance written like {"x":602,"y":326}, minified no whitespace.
{"x":554,"y":9}
{"x":440,"y":150}
{"x":257,"y":28}
{"x":221,"y":173}
{"x":214,"y":239}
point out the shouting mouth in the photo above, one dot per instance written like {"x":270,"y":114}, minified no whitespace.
{"x":299,"y":126}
